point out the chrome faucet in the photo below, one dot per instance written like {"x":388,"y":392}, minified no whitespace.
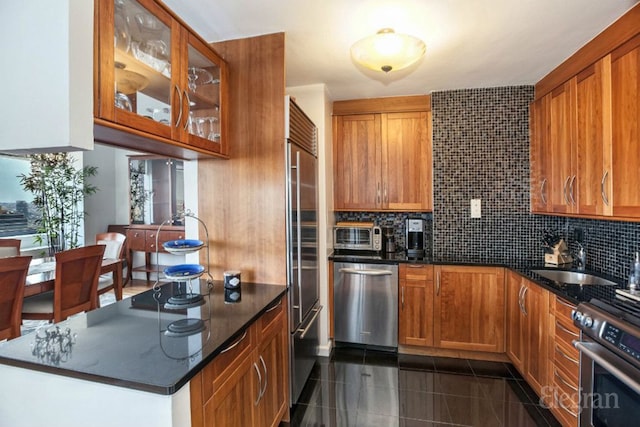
{"x":581,"y":258}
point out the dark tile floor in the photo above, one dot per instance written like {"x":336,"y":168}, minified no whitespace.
{"x":364,"y":388}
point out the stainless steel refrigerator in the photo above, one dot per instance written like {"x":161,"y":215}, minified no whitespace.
{"x":302,"y":245}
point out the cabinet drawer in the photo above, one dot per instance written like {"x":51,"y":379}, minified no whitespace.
{"x":216,"y":372}
{"x":566,"y":335}
{"x":150,"y":239}
{"x":566,"y":398}
{"x":136,"y":240}
{"x":270,"y":316}
{"x":566,"y":361}
{"x":416,"y":271}
{"x":563,"y":310}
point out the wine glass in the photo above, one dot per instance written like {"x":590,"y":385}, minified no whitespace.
{"x":213,"y":135}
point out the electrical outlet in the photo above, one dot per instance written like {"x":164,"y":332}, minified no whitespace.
{"x":476,"y":209}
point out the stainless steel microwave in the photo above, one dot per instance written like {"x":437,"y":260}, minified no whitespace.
{"x":357,"y":236}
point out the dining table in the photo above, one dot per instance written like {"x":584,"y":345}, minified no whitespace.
{"x":42,"y":274}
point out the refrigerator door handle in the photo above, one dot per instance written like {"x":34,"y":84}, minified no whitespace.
{"x":366,"y":272}
{"x":303,"y":331}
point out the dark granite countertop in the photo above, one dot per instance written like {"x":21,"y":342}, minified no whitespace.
{"x":571,"y":292}
{"x":124,"y":344}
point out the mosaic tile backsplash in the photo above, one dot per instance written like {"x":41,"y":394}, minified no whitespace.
{"x":481,"y":151}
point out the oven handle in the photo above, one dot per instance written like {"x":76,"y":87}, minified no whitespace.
{"x":366,"y":272}
{"x":595,"y":352}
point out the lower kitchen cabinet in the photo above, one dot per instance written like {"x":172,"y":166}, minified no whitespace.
{"x":415,"y":311}
{"x":527,"y":330}
{"x":247,"y":384}
{"x":469,"y":308}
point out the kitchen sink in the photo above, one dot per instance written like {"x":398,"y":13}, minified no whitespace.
{"x":573,"y":277}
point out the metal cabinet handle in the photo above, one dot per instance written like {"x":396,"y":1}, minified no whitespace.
{"x":264,"y":367}
{"x":564,"y":190}
{"x":186,"y":97}
{"x":542,"y":192}
{"x":573,"y":334}
{"x":573,"y":180}
{"x":558,"y":350}
{"x":555,"y":397}
{"x":235,"y":344}
{"x":402,"y":299}
{"x":520,"y":298}
{"x":438,"y":283}
{"x":524,"y":301}
{"x":565,"y":382}
{"x":385,"y":194}
{"x":177,"y":89}
{"x":602,"y":191}
{"x":259,"y":384}
{"x":566,"y":304}
{"x":274,"y":307}
{"x":303,"y":331}
{"x":378,"y":194}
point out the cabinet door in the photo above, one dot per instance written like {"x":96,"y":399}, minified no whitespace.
{"x":593,"y":139}
{"x":415,"y":326}
{"x":232,"y":404}
{"x":137,"y":49}
{"x":357,"y":162}
{"x":535,"y":303}
{"x":406,"y":161}
{"x":203,"y":87}
{"x":469,"y":308}
{"x":561,"y":145}
{"x":272,"y":360}
{"x":539,"y":151}
{"x":516,"y":338}
{"x":625,"y":96}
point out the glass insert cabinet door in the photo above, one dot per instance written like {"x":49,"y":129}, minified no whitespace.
{"x":143,"y":62}
{"x":156,"y":188}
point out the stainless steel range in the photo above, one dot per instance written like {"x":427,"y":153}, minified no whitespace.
{"x":609,"y":361}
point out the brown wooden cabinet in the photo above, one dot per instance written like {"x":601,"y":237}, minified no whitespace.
{"x":564,"y":363}
{"x":625,"y":114}
{"x":527,"y":329}
{"x":469,"y":308}
{"x":561,"y":129}
{"x":246,"y":384}
{"x":142,"y":238}
{"x":170,"y":85}
{"x":540,"y":155}
{"x":382,"y":160}
{"x":415,"y":311}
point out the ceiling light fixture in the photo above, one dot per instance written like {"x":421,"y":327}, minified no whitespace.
{"x":387,"y":51}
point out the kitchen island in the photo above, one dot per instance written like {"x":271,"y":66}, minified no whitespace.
{"x":117,"y":365}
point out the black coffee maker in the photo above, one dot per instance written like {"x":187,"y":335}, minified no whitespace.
{"x":415,"y":237}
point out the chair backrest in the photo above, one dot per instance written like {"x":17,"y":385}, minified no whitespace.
{"x":9,"y":247}
{"x":76,"y":283}
{"x":114,"y":242}
{"x":13,"y":273}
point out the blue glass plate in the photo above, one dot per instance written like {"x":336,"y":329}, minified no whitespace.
{"x":182,"y":246}
{"x":183,"y":272}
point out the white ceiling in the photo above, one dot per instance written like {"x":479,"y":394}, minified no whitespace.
{"x":470,"y":43}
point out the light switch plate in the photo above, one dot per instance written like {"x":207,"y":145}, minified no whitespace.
{"x":476,"y":208}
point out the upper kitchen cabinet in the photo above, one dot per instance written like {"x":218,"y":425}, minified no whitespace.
{"x":159,"y":88}
{"x":47,"y":74}
{"x":382,"y":154}
{"x":540,"y":159}
{"x":625,"y":94}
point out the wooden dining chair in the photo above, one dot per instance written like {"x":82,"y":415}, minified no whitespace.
{"x":13,"y":273}
{"x":9,"y":247}
{"x":75,"y":287}
{"x":115,"y":247}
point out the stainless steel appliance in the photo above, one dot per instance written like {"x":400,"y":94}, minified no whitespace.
{"x":388,"y":239}
{"x":363,"y":236}
{"x":415,"y":237}
{"x":609,"y":362}
{"x":302,"y":245}
{"x":366,"y":304}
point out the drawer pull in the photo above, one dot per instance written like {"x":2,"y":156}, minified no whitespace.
{"x":415,"y":266}
{"x":235,"y":344}
{"x":555,"y":397}
{"x":573,"y":334}
{"x":566,"y":304}
{"x":565,"y":382}
{"x":577,"y":362}
{"x":259,"y":384}
{"x":274,"y":307}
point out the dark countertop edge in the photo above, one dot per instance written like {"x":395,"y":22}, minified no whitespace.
{"x":523,"y":268}
{"x":134,"y":385}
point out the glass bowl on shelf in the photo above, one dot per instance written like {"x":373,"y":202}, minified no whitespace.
{"x":153,"y":53}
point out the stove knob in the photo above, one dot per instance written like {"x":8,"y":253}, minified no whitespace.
{"x":577,"y":316}
{"x":587,"y":321}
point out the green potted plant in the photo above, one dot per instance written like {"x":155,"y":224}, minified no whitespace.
{"x":59,"y":190}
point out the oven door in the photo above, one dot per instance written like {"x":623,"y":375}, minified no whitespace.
{"x":610,"y":387}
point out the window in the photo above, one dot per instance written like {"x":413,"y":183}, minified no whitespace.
{"x":17,"y":213}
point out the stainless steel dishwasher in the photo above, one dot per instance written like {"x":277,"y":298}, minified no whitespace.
{"x":365,"y":302}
